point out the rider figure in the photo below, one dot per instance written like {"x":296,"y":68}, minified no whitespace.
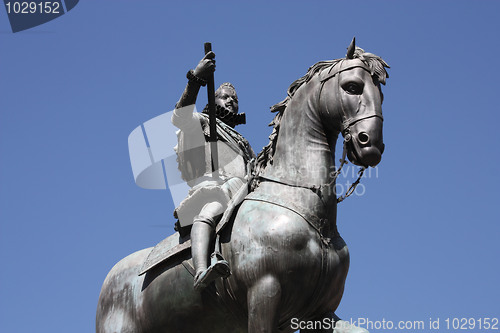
{"x":209,"y":194}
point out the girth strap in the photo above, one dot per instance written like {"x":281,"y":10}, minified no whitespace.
{"x":318,"y":189}
{"x":313,"y":220}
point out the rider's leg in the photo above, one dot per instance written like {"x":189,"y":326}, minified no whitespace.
{"x":202,"y":234}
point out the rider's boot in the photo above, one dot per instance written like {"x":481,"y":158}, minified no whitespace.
{"x":202,"y":234}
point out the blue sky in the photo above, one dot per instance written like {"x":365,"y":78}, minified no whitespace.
{"x":424,"y":236}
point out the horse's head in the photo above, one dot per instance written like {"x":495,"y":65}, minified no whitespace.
{"x":352,"y":95}
{"x":346,"y":95}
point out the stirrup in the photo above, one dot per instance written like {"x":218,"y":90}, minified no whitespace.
{"x":216,"y":270}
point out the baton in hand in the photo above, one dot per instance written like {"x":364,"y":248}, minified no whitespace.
{"x":212,"y":118}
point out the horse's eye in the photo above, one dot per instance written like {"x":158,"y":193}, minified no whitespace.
{"x":353,"y":88}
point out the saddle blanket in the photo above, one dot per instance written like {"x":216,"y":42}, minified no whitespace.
{"x":174,"y":245}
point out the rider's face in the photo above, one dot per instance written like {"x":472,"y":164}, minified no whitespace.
{"x":227,"y":99}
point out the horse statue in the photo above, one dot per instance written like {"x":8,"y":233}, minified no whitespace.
{"x":287,"y":258}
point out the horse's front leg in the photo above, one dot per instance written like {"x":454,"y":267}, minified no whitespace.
{"x":263,"y":302}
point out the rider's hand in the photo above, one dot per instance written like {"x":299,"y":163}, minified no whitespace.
{"x":206,"y":66}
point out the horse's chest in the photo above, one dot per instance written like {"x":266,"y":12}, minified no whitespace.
{"x":283,"y":245}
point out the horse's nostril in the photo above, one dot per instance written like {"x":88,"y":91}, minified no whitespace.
{"x":363,"y":138}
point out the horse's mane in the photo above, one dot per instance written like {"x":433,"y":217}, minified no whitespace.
{"x":378,"y":71}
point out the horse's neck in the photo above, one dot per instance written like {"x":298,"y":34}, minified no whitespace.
{"x":304,"y":151}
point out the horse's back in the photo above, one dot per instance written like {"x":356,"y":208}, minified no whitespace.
{"x":118,"y":299}
{"x":162,"y":300}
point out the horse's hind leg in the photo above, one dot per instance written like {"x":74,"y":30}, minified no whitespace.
{"x":263,"y":302}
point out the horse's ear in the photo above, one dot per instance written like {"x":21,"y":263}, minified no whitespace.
{"x":351,"y":48}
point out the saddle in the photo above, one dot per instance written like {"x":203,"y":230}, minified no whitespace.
{"x":175,"y":246}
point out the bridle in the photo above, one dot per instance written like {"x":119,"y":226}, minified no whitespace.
{"x":347,"y":122}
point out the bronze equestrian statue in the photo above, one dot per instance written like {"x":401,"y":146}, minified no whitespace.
{"x":288,"y":261}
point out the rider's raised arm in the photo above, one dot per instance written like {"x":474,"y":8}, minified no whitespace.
{"x":196,"y":79}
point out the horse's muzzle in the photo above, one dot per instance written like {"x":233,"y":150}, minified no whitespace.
{"x":370,"y":157}
{"x":365,"y":148}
